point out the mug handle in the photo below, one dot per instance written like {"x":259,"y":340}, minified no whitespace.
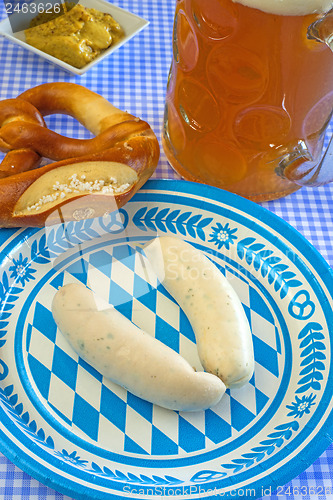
{"x":301,"y":168}
{"x":325,"y":166}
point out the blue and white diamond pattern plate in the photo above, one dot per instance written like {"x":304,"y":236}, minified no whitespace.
{"x":66,"y":425}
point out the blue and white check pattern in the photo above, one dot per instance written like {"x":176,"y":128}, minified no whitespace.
{"x":143,"y":65}
{"x":107,"y":413}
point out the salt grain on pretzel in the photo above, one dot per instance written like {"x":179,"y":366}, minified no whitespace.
{"x":109,"y":168}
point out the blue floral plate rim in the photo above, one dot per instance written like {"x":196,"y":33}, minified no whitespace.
{"x":181,"y":188}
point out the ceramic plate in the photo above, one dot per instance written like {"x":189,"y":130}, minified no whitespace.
{"x":65,"y":425}
{"x":131,"y":24}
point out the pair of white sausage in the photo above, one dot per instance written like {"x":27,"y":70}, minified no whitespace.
{"x":145,"y":366}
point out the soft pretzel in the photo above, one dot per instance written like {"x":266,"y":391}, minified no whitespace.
{"x":17,"y":161}
{"x":14,"y":112}
{"x":93,"y":111}
{"x":109,"y":168}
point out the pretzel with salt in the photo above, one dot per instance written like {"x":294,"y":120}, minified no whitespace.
{"x":109,"y":168}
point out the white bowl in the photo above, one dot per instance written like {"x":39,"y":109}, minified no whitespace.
{"x":131,"y":24}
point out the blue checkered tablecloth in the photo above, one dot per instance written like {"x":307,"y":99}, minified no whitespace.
{"x":134,"y":78}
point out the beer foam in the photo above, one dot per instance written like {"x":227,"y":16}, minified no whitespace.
{"x":289,"y":7}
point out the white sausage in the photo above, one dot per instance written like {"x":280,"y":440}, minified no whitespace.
{"x":212,"y":306}
{"x":122,"y":352}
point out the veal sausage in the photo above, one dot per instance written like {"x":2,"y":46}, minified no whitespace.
{"x":212,"y":306}
{"x":128,"y":356}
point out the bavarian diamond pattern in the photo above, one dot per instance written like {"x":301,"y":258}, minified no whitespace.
{"x":107,"y":413}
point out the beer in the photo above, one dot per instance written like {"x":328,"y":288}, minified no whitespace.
{"x":247,"y":91}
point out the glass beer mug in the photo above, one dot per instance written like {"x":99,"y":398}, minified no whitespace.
{"x":250,"y":94}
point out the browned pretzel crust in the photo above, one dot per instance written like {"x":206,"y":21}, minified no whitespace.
{"x":90,"y":177}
